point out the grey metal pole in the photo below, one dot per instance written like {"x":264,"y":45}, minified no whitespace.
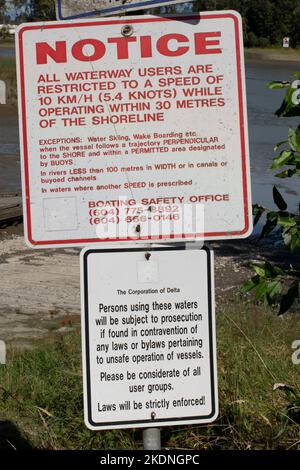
{"x":151,"y":439}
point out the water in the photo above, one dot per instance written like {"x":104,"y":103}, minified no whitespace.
{"x":264,"y":127}
{"x":7,"y":51}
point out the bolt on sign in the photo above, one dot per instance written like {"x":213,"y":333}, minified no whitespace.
{"x":70,"y":9}
{"x":149,"y":345}
{"x":134,"y":129}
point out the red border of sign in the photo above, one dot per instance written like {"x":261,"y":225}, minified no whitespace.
{"x":139,"y":238}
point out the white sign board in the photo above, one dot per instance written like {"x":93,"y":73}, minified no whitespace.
{"x":70,"y":9}
{"x":149,"y":342}
{"x":2,"y":92}
{"x":286,"y":42}
{"x":2,"y":352}
{"x":135,"y":137}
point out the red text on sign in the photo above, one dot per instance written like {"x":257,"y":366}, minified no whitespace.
{"x":170,"y":45}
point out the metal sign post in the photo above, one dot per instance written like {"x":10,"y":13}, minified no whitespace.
{"x":151,"y":439}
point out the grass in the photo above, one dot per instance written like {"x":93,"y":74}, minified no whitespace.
{"x":41,"y":392}
{"x":283,"y":50}
{"x":272,"y":53}
{"x":8,"y":75}
{"x":7,"y":68}
{"x":7,"y":42}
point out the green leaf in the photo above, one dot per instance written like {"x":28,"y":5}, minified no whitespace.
{"x":295,"y":242}
{"x":289,"y":298}
{"x":270,"y":224}
{"x":272,"y":270}
{"x":280,"y":144}
{"x":257,"y":212}
{"x":288,"y":107}
{"x":274,"y":288}
{"x":294,"y":138}
{"x":278,"y":85}
{"x":282,"y":159}
{"x":286,"y":220}
{"x":261,"y":289}
{"x":291,"y":138}
{"x":286,"y":174}
{"x":278,"y":199}
{"x":250,"y":284}
{"x":260,"y":269}
{"x":297,"y":139}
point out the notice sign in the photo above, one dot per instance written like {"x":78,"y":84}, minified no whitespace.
{"x":148,"y":337}
{"x":133,"y":129}
{"x":70,"y":9}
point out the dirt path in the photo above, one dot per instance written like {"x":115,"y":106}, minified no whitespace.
{"x":39,"y":291}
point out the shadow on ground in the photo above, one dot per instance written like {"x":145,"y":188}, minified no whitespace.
{"x":245,"y":251}
{"x":11,"y":438}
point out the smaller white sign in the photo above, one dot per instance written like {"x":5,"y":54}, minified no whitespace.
{"x":286,"y":42}
{"x":68,"y":9}
{"x":2,"y":92}
{"x":2,"y":352}
{"x":148,"y":331}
